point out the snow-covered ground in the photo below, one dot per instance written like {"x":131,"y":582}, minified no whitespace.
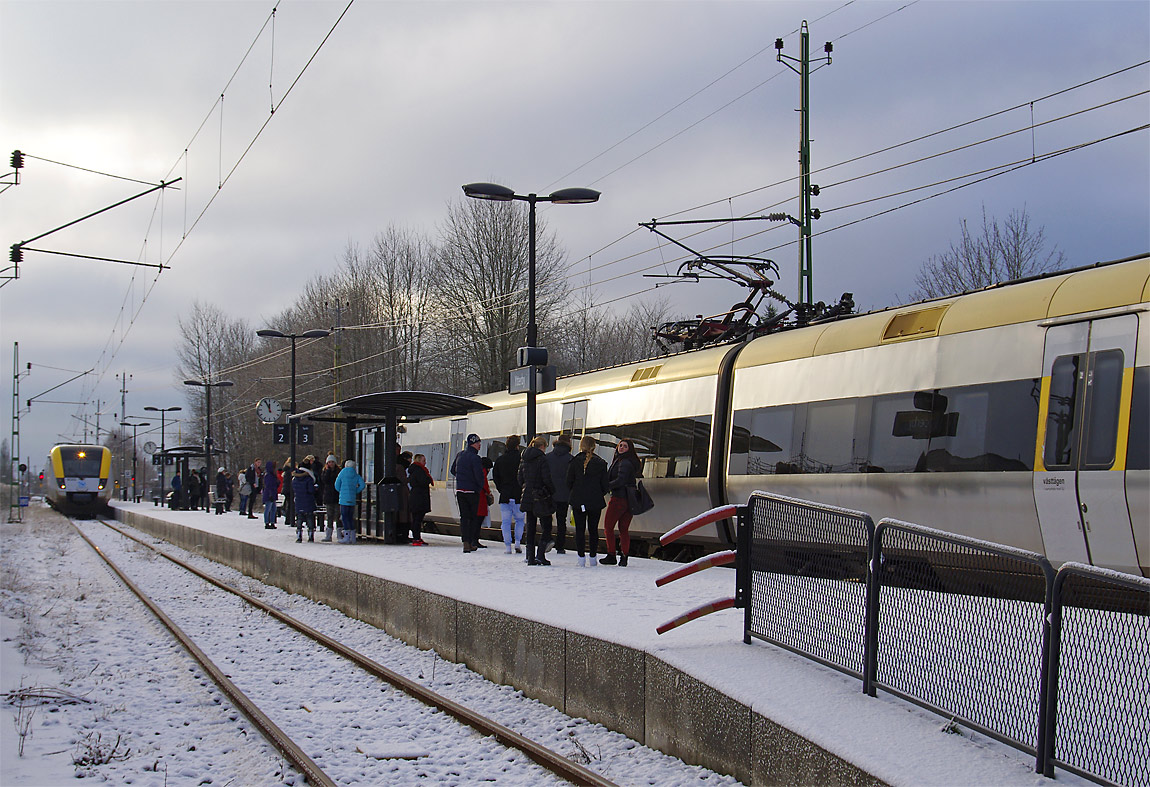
{"x":114,"y":675}
{"x":89,"y":633}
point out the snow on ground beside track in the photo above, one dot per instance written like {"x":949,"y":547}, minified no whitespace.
{"x":68,"y":624}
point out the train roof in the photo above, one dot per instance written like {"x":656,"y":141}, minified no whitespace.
{"x":1093,"y":290}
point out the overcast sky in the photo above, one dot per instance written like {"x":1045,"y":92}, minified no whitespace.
{"x":671,"y":109}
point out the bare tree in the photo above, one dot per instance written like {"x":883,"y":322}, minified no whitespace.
{"x":481,"y":289}
{"x":1002,"y":252}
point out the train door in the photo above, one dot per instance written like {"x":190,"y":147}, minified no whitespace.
{"x":1079,"y":488}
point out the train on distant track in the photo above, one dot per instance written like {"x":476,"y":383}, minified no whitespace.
{"x":77,"y":479}
{"x":1018,"y":414}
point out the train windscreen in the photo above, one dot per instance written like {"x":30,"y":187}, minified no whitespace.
{"x":81,"y":464}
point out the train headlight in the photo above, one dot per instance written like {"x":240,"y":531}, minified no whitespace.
{"x":60,"y":482}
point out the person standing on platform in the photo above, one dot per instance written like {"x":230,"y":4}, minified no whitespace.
{"x":193,"y":490}
{"x":419,"y":480}
{"x":285,"y":475}
{"x":254,"y":474}
{"x":348,"y":484}
{"x":622,"y":475}
{"x":271,"y":492}
{"x":303,"y":486}
{"x":587,"y":480}
{"x":486,"y":500}
{"x":221,"y":487}
{"x":327,"y":478}
{"x":229,"y":490}
{"x":538,"y":500}
{"x":506,"y":477}
{"x":176,"y":489}
{"x":469,"y":479}
{"x":558,"y":459}
{"x":245,"y":491}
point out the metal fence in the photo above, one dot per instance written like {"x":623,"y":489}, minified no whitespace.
{"x":807,"y":579}
{"x":1100,"y":676}
{"x":1056,"y":665}
{"x":960,"y":629}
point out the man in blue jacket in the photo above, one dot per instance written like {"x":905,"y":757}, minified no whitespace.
{"x":469,"y":477}
{"x":348,"y":484}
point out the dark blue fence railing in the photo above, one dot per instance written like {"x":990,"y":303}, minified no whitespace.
{"x":1056,"y":665}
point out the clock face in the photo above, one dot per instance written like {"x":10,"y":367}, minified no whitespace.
{"x":269,"y":410}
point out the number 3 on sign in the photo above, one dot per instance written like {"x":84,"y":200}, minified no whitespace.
{"x":305,"y":434}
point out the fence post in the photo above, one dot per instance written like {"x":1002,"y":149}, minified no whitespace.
{"x":743,"y":521}
{"x":870,"y":626}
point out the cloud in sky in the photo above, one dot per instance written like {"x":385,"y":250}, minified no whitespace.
{"x":663,"y":106}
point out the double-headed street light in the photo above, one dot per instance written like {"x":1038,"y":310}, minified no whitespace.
{"x":163,"y":446}
{"x":134,"y":428}
{"x":207,"y":386}
{"x":314,"y":333}
{"x":497,"y":193}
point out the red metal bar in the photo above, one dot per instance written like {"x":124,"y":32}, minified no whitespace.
{"x":707,"y":561}
{"x":697,"y":612}
{"x":705,"y":518}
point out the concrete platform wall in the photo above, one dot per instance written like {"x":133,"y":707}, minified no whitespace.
{"x":654,"y":703}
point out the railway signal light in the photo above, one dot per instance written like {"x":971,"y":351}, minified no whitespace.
{"x":17,"y":160}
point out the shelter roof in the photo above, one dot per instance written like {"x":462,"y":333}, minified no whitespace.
{"x":405,"y":405}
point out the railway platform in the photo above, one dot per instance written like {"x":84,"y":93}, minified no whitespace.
{"x":584,"y":640}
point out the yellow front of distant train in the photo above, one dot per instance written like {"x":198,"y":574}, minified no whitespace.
{"x":77,"y":479}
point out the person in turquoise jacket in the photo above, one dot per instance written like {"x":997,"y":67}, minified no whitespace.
{"x":348,"y":484}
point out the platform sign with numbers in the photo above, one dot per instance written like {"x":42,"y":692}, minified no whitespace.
{"x":304,"y":434}
{"x":280,"y":434}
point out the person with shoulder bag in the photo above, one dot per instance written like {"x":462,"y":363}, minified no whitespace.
{"x":538,"y":500}
{"x":621,"y":479}
{"x":505,"y":474}
{"x":587,"y":482}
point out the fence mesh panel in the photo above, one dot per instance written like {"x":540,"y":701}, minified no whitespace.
{"x":808,"y":579}
{"x":960,"y":628}
{"x":1103,"y":691}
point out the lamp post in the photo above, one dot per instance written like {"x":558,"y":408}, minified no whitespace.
{"x":497,"y":193}
{"x":163,"y":446}
{"x":207,"y":386}
{"x":314,"y":333}
{"x":134,"y":427}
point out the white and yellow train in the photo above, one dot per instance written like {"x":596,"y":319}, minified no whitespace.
{"x":1019,"y":414}
{"x":76,"y":479}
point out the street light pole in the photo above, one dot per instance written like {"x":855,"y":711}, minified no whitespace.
{"x":497,"y":193}
{"x":163,"y":446}
{"x":207,"y":386}
{"x":134,"y":427}
{"x":315,"y":333}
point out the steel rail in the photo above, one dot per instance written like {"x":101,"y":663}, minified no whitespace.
{"x":551,"y":760}
{"x":277,"y":737}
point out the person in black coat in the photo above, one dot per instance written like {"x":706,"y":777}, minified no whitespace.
{"x":329,"y":495}
{"x":505,"y":474}
{"x":419,"y":481}
{"x":587,"y":482}
{"x":538,"y":501}
{"x":558,"y":459}
{"x":623,"y":473}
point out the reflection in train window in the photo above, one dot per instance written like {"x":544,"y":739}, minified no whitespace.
{"x":761,"y":441}
{"x":984,"y":428}
{"x":1062,"y":412}
{"x":674,"y":448}
{"x":1103,"y":398}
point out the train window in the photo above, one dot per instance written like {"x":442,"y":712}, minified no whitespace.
{"x":891,"y":450}
{"x":993,"y":429}
{"x":436,"y":457}
{"x":1138,"y":449}
{"x":575,"y":419}
{"x":1103,"y":397}
{"x":86,"y":466}
{"x":1062,"y":411}
{"x":761,"y":441}
{"x":828,"y":442}
{"x":674,"y":448}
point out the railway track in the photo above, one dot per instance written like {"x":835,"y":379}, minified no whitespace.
{"x":302,"y":724}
